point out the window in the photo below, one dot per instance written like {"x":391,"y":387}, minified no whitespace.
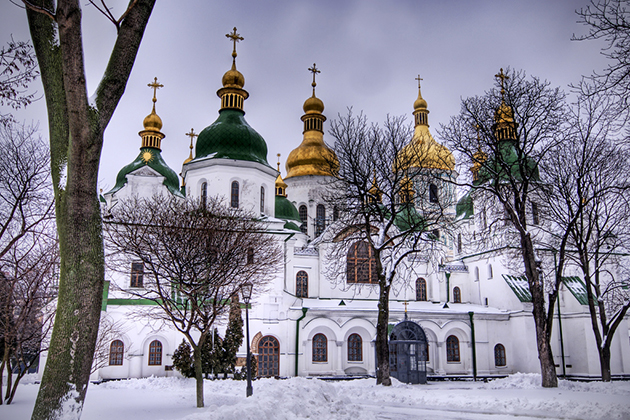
{"x":421,"y":289}
{"x":476,"y":273}
{"x":452,"y":349}
{"x":303,"y":218}
{"x":433,"y":193}
{"x":234,"y":195}
{"x":204,"y":194}
{"x":137,"y":274}
{"x":116,"y":350}
{"x":155,"y":353}
{"x":268,"y":357}
{"x":499,"y":355}
{"x":250,"y":256}
{"x":262,"y":199}
{"x":361,"y":264}
{"x":320,"y":348}
{"x":335,"y":213}
{"x":457,"y":295}
{"x":355,"y":348}
{"x":459,"y":243}
{"x":320,"y":219}
{"x":535,"y":218}
{"x":490,"y":274}
{"x":301,"y":284}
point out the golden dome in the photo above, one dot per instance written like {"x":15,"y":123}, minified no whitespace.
{"x":424,"y":152}
{"x":504,"y":113}
{"x":152,"y":122}
{"x":420,"y":103}
{"x":312,"y":157}
{"x":233,"y":78}
{"x":313,"y":105}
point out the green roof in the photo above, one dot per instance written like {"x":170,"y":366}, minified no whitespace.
{"x":408,"y":218}
{"x":285,"y":210}
{"x":230,"y":137}
{"x":292,"y":226}
{"x":493,"y":167}
{"x":577,"y":288}
{"x":464,"y":209}
{"x":157,"y":163}
{"x":519,"y":286}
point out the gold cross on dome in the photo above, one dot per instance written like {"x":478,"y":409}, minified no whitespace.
{"x":278,"y":162}
{"x":314,"y":70}
{"x":501,"y":76}
{"x":419,"y":79}
{"x":235,"y":38}
{"x":406,"y":303}
{"x":155,"y":85}
{"x":192,"y":136}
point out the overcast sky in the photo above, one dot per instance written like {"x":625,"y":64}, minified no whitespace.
{"x":369,"y":53}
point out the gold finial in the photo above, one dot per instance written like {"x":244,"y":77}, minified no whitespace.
{"x":235,"y":38}
{"x":278,"y":162}
{"x":155,"y":85}
{"x":502,"y":77}
{"x":192,"y":136}
{"x":419,"y":79}
{"x":406,"y":303}
{"x":314,"y":70}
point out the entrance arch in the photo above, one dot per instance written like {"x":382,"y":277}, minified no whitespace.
{"x":268,"y":357}
{"x":408,"y":353}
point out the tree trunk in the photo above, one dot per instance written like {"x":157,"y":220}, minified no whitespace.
{"x":382,"y":346}
{"x":537,"y":289}
{"x":198,"y":373}
{"x":604,"y":362}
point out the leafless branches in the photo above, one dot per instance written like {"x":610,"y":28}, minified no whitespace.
{"x":18,"y":68}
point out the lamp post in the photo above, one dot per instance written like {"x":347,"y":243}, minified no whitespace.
{"x":246,"y":290}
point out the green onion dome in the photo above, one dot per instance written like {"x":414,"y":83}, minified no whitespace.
{"x":464,"y":208}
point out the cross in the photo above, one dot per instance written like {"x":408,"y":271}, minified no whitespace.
{"x":155,"y":85}
{"x":278,"y":162}
{"x":406,"y":303}
{"x":192,"y":136}
{"x":419,"y":79}
{"x":314,"y":70}
{"x":501,"y":76}
{"x":235,"y":38}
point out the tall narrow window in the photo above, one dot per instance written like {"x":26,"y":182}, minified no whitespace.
{"x":433,"y":193}
{"x":137,"y":274}
{"x":250,"y":255}
{"x":320,"y":348}
{"x":535,"y":217}
{"x":355,"y":348}
{"x":234,"y":195}
{"x":303,"y":218}
{"x":490,"y":273}
{"x":268,"y":357}
{"x":155,"y":353}
{"x":335,"y":213}
{"x":361,"y":264}
{"x":301,"y":284}
{"x":116,"y":351}
{"x":452,"y":349}
{"x":499,"y":355}
{"x":262,"y":199}
{"x":421,"y":289}
{"x":457,"y":295}
{"x":320,"y":219}
{"x":204,"y":194}
{"x":459,"y":243}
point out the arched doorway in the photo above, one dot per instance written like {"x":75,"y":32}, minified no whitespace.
{"x":268,"y":357}
{"x":408,"y":353}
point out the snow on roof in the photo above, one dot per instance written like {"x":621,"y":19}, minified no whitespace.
{"x":577,"y":288}
{"x":519,"y":286}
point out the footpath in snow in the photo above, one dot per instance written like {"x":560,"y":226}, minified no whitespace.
{"x":519,"y":396}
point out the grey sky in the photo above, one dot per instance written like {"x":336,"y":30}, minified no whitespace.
{"x":369,"y":53}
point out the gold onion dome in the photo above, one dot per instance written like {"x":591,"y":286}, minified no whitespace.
{"x":423,"y":151}
{"x":233,"y":78}
{"x":152,"y":122}
{"x":312,"y":156}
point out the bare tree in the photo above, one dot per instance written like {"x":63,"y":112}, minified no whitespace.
{"x":381,"y":189}
{"x":195,"y":258}
{"x":506,"y":133}
{"x":18,"y":69}
{"x":108,"y":330}
{"x":28,"y":250}
{"x":587,"y":183}
{"x":76,"y":126}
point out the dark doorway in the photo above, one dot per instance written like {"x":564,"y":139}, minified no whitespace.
{"x":408,"y":353}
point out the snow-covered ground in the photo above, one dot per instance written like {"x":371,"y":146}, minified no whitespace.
{"x":517,"y":397}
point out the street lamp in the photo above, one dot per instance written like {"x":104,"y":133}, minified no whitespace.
{"x":246,"y":290}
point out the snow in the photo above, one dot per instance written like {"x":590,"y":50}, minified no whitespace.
{"x":519,"y":396}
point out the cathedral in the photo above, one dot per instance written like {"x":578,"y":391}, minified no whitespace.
{"x":473,"y":309}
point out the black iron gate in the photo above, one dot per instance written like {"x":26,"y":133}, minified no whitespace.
{"x":408,"y":353}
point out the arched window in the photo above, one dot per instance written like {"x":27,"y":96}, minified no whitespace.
{"x":155,"y":353}
{"x":535,"y":217}
{"x":301,"y":284}
{"x":421,"y":289}
{"x":234,"y":195}
{"x":433,"y":193}
{"x":459,"y":243}
{"x":204,"y":194}
{"x":335,"y":213}
{"x":320,"y":219}
{"x":361,"y":264}
{"x":116,"y":350}
{"x":457,"y":295}
{"x":303,"y":218}
{"x":476,"y":273}
{"x":268,"y":357}
{"x":452,"y":349}
{"x":355,"y":348}
{"x":250,"y":255}
{"x":490,"y":274}
{"x":137,"y":274}
{"x":499,"y":355}
{"x":262,"y":199}
{"x":320,"y":348}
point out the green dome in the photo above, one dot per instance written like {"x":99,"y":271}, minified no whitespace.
{"x":464,"y":208}
{"x":508,"y":161}
{"x":230,"y":137}
{"x":152,"y":158}
{"x":408,"y":219}
{"x":285,"y":210}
